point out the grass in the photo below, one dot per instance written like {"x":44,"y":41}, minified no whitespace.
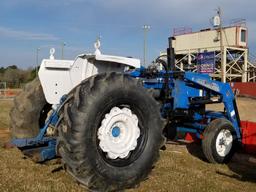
{"x":180,"y":168}
{"x":5,"y":106}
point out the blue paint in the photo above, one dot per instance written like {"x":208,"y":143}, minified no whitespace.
{"x":116,"y":131}
{"x":186,"y":86}
{"x":44,"y":146}
{"x":184,"y":92}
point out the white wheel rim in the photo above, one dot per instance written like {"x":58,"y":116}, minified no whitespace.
{"x":224,"y":142}
{"x":118,"y":133}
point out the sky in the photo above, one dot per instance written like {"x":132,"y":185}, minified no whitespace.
{"x":26,"y":25}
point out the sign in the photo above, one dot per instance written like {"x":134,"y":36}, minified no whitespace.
{"x":206,"y":62}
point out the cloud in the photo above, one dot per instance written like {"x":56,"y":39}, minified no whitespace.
{"x":25,"y":35}
{"x":46,"y":3}
{"x":78,"y":22}
{"x":178,"y":12}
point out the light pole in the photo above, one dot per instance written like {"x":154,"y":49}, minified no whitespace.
{"x":146,"y":29}
{"x":222,"y":50}
{"x":37,"y":53}
{"x":63,"y":44}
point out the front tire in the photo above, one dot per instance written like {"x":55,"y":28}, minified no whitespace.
{"x":111,"y":132}
{"x":219,"y":141}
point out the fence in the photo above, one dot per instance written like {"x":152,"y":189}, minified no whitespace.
{"x":9,"y":93}
{"x":245,"y":89}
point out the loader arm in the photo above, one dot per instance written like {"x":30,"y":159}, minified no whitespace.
{"x":224,"y":91}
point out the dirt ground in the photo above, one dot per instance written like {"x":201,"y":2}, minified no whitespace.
{"x":246,"y":108}
{"x":181,"y":167}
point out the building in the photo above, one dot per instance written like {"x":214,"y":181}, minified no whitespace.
{"x":190,"y":47}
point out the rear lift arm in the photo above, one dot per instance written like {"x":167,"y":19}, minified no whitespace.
{"x":41,"y":147}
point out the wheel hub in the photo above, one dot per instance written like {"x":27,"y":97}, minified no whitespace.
{"x":224,"y":142}
{"x":115,"y":131}
{"x":118,"y":133}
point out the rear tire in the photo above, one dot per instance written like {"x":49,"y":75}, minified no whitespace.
{"x":86,"y":110}
{"x":29,"y":111}
{"x":219,"y":141}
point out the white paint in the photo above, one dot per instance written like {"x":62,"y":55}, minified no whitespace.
{"x":59,"y":77}
{"x":126,"y":141}
{"x":216,"y":21}
{"x":97,"y":47}
{"x":200,"y":92}
{"x":123,"y":60}
{"x":224,"y":142}
{"x":209,"y":40}
{"x":232,"y":113}
{"x":52,"y":51}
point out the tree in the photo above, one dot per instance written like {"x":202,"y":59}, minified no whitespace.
{"x":15,"y":77}
{"x":2,"y":70}
{"x":12,"y":67}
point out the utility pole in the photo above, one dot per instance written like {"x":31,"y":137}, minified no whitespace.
{"x":146,"y":29}
{"x":63,"y":44}
{"x":222,"y":50}
{"x":37,"y":60}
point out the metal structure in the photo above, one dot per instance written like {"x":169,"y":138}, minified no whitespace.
{"x":236,"y":64}
{"x":63,"y":44}
{"x":37,"y":61}
{"x":41,"y":147}
{"x":107,"y":127}
{"x":196,"y":90}
{"x":251,"y":68}
{"x":58,"y":77}
{"x":146,"y":28}
{"x":190,"y":92}
{"x":232,"y":62}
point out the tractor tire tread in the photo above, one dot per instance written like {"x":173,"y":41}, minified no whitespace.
{"x":209,"y":137}
{"x":25,"y":114}
{"x":81,"y":98}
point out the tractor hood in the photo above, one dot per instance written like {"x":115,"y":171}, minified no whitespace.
{"x":132,"y":62}
{"x":58,"y":77}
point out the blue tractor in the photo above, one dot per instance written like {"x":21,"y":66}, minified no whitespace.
{"x":107,"y":117}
